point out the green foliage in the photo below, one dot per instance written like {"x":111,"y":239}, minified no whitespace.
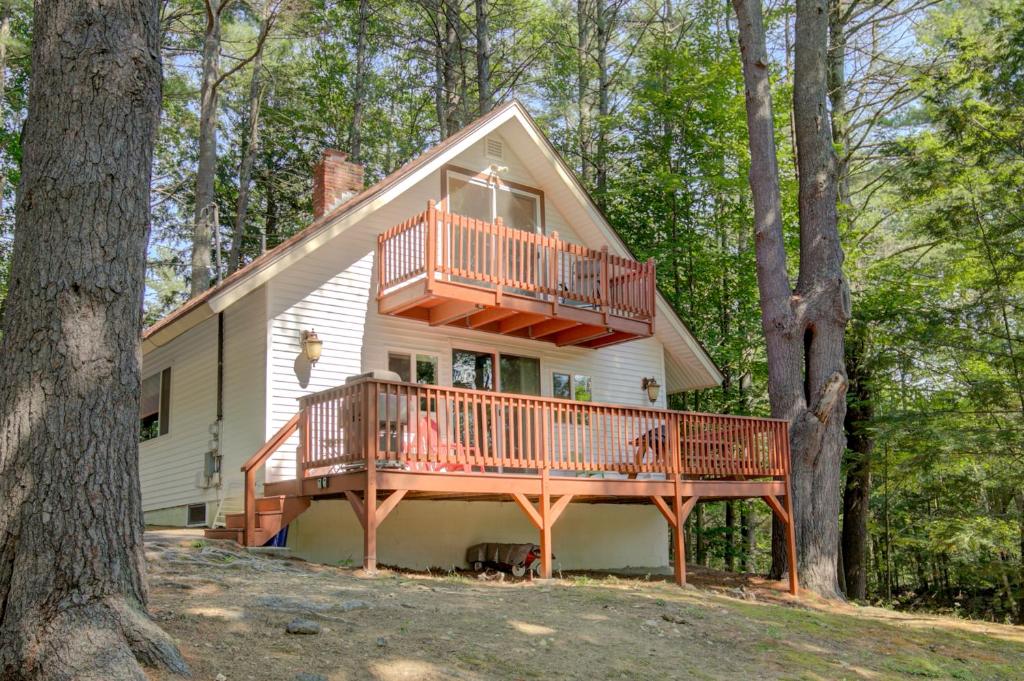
{"x":934,"y":233}
{"x":941,"y":282}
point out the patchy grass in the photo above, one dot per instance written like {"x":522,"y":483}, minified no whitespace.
{"x":229,"y":616}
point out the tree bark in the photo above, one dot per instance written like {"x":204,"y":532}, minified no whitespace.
{"x":698,"y":529}
{"x":355,"y":130}
{"x":452,"y":58}
{"x":583,"y":38}
{"x":730,"y":536}
{"x":206,"y":168}
{"x":483,"y":57}
{"x":251,"y":149}
{"x":803,"y":326}
{"x":604,"y":18}
{"x":861,"y":444}
{"x":72,"y":589}
{"x":1018,"y":500}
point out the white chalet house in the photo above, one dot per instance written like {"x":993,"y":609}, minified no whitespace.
{"x":515,"y":353}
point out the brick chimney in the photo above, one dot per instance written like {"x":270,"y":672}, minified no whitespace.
{"x":335,"y":180}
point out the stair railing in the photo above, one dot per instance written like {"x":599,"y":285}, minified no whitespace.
{"x":254,"y":463}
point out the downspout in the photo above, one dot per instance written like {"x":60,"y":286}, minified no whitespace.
{"x":213,"y":460}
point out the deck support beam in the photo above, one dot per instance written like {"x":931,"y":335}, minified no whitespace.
{"x":490,"y":315}
{"x":543,"y":517}
{"x":450,"y":311}
{"x":676,"y":518}
{"x":547,"y":518}
{"x":371,"y":515}
{"x":783,"y":510}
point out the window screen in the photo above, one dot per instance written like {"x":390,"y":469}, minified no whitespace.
{"x":399,"y":363}
{"x":155,"y":405}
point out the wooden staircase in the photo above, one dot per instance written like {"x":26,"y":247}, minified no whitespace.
{"x":272,"y":514}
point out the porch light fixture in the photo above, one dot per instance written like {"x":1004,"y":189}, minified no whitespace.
{"x":312,"y":346}
{"x":652,"y":387}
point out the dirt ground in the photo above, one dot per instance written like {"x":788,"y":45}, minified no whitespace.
{"x":229,"y":610}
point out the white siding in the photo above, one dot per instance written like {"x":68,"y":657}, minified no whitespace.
{"x":333,"y":291}
{"x":169,"y":465}
{"x":245,"y":356}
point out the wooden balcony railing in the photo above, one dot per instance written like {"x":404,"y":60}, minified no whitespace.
{"x":442,"y":246}
{"x":416,"y":427}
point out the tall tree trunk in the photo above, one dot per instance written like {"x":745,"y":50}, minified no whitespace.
{"x":483,"y":57}
{"x":355,"y":128}
{"x":72,"y":588}
{"x":747,"y":522}
{"x":603,"y":25}
{"x":803,"y":326}
{"x":452,"y":59}
{"x":271,"y":231}
{"x":206,"y":169}
{"x":440,"y":52}
{"x":730,"y":536}
{"x":249,"y":152}
{"x":583,"y":47}
{"x":698,"y":529}
{"x":837,"y":97}
{"x":1018,"y":500}
{"x":5,"y":37}
{"x":856,"y":491}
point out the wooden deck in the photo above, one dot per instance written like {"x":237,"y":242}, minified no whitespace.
{"x":377,"y":443}
{"x":448,"y":269}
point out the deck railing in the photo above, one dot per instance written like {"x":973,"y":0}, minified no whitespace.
{"x":430,"y":428}
{"x":437,"y":244}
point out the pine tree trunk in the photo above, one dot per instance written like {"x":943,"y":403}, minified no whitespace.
{"x":730,"y":536}
{"x":857,"y":490}
{"x":452,"y":58}
{"x":1018,"y":500}
{"x":249,"y":152}
{"x":698,"y":529}
{"x":803,"y":325}
{"x":583,"y":37}
{"x":603,"y":25}
{"x":355,"y":130}
{"x":483,"y":57}
{"x":72,"y":589}
{"x":206,"y":167}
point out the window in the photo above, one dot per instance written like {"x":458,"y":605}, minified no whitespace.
{"x":155,"y":406}
{"x":196,"y":514}
{"x":473,"y":370}
{"x":424,"y":368}
{"x":485,"y":199}
{"x":571,"y":387}
{"x":520,"y":375}
{"x":575,"y":387}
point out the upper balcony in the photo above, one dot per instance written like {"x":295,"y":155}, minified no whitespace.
{"x":444,"y":268}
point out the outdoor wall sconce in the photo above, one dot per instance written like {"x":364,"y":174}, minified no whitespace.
{"x":312,"y":346}
{"x":652,"y":387}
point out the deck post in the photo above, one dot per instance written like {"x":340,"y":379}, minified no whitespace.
{"x":370,"y":494}
{"x":250,"y":507}
{"x":553,"y":252}
{"x":546,"y":523}
{"x":605,"y":288}
{"x":794,"y":586}
{"x":430,"y":250}
{"x":679,"y":557}
{"x":302,"y":452}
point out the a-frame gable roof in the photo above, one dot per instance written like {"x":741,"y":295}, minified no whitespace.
{"x":689,"y":364}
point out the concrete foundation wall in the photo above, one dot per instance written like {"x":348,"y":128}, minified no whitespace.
{"x":436,"y":534}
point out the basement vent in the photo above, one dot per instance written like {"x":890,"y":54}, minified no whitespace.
{"x":495,"y":148}
{"x":196,"y":515}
